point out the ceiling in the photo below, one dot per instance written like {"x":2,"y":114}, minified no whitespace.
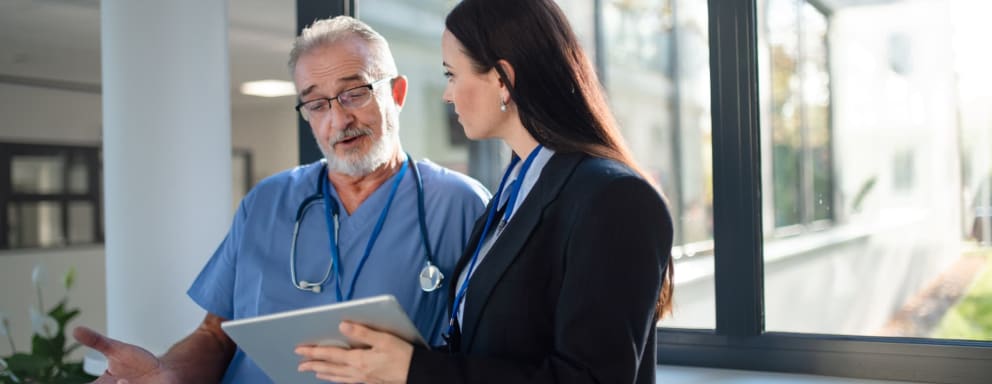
{"x":56,"y":43}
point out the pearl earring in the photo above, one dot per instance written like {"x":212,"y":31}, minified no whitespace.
{"x":502,"y":105}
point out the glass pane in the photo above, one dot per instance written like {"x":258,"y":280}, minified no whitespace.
{"x":815,"y":81}
{"x":430,"y":128}
{"x":35,"y":224}
{"x":657,"y":78}
{"x":81,"y":222}
{"x":79,"y":175}
{"x":37,"y":174}
{"x":876,"y":155}
{"x":786,"y":111}
{"x":240,"y":176}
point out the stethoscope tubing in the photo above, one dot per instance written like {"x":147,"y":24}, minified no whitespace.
{"x":319,"y":195}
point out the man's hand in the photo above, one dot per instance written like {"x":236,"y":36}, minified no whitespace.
{"x":126,"y":363}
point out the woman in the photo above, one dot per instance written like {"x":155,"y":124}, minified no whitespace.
{"x":565,"y":277}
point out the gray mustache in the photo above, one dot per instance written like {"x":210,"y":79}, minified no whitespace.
{"x":351,"y":133}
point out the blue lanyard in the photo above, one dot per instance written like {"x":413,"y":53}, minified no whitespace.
{"x":514,"y":191}
{"x":331,"y":214}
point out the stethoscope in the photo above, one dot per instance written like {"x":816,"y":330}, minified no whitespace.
{"x":430,"y":276}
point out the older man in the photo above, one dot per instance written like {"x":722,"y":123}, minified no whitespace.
{"x":283,"y":252}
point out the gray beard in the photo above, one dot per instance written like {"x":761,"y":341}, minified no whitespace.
{"x":356,"y":164}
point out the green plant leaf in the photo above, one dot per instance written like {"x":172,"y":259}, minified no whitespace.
{"x":62,"y":314}
{"x":74,"y":373}
{"x":71,"y":348}
{"x":47,"y":348}
{"x":46,"y":362}
{"x":24,"y":365}
{"x":70,"y":278}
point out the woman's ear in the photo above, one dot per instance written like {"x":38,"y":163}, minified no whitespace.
{"x":504,"y":68}
{"x":505,"y":73}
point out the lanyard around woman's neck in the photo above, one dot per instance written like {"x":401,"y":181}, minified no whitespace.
{"x":515,"y":187}
{"x":331,"y":214}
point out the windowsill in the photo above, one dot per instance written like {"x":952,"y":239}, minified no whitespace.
{"x":676,"y":374}
{"x":695,"y":261}
{"x":51,"y":250}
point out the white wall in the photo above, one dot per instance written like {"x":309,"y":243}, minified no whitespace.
{"x":43,"y":115}
{"x":32,"y":114}
{"x":270,"y":133}
{"x":17,"y":293}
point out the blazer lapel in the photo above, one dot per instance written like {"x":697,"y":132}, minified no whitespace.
{"x":507,"y":247}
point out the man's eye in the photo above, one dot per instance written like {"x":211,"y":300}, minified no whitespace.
{"x":316,"y":105}
{"x":356,"y":93}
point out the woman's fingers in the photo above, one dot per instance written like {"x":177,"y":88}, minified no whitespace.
{"x":386,"y":360}
{"x":329,"y":363}
{"x":362,"y":334}
{"x":323,"y":353}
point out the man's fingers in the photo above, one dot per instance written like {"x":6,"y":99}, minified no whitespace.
{"x":95,"y":340}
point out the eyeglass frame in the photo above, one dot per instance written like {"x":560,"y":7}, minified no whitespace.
{"x":371,"y":87}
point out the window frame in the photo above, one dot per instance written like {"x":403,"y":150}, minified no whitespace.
{"x":93,"y":162}
{"x":739,"y":340}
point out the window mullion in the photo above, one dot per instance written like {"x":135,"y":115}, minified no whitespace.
{"x":736,"y":168}
{"x":6,"y":189}
{"x":307,"y":11}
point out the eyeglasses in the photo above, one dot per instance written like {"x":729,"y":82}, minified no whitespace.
{"x":352,"y":98}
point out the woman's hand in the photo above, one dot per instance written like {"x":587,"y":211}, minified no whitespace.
{"x":385,"y":361}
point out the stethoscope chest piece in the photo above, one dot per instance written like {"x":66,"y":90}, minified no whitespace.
{"x":430,"y":278}
{"x":308,"y":286}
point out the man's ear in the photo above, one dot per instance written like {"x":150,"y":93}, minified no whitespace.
{"x":399,"y":90}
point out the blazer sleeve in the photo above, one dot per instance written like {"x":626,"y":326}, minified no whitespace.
{"x":615,"y":256}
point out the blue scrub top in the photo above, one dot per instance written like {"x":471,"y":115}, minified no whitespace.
{"x":248,"y":275}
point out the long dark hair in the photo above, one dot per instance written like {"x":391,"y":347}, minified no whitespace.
{"x":555,"y":89}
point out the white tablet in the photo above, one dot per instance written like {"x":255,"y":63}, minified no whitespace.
{"x":270,"y":340}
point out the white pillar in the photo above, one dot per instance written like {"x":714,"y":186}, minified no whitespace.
{"x":167,"y":160}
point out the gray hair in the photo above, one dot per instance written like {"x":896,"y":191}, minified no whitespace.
{"x":328,"y":31}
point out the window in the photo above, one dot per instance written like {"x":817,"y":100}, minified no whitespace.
{"x":883,"y":170}
{"x":803,"y":129}
{"x":49,"y":196}
{"x":858,"y":99}
{"x":657,"y":78}
{"x":798,"y":122}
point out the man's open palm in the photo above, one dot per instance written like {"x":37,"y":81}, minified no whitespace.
{"x":126,"y":363}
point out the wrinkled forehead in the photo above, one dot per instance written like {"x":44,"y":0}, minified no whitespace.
{"x":335,"y":65}
{"x":370,"y":57}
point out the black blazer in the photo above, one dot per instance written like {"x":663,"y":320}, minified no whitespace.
{"x":568,"y":292}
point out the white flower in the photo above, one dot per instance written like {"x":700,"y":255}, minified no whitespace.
{"x":38,"y":275}
{"x":43,"y":325}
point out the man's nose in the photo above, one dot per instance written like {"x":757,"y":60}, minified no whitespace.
{"x":339,"y":117}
